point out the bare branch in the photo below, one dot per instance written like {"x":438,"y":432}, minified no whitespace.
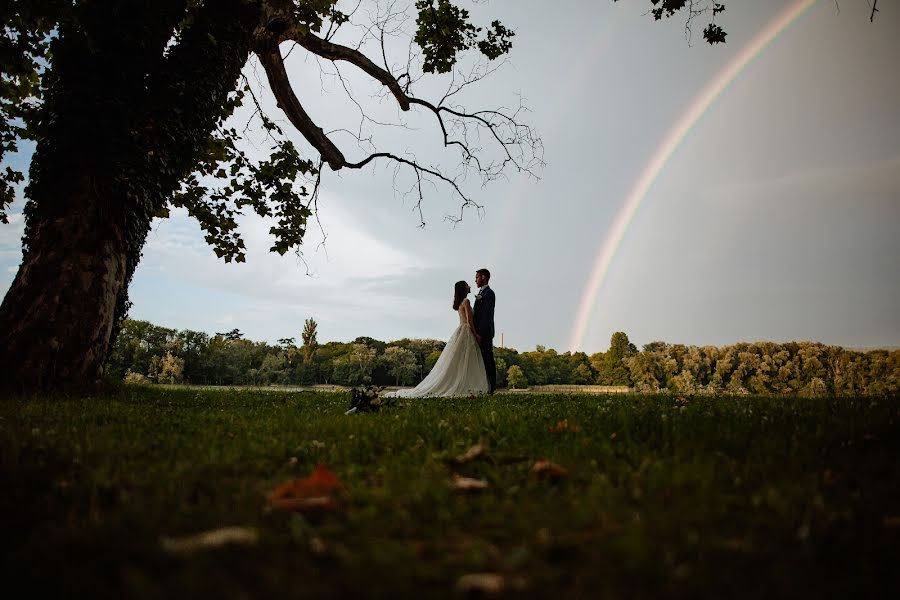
{"x":419,"y":169}
{"x":874,"y":10}
{"x":478,"y":72}
{"x":492,"y":121}
{"x":314,"y":202}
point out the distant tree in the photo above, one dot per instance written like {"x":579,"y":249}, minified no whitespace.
{"x":308,"y":373}
{"x":684,"y":383}
{"x":361,"y":362}
{"x":424,"y":350}
{"x":231,"y":336}
{"x":138,"y":343}
{"x":430,"y":360}
{"x":515,"y":377}
{"x":400,"y":363}
{"x":645,"y":371}
{"x":598,"y":364}
{"x":274,"y":369}
{"x":371,"y":342}
{"x":167,"y":368}
{"x":309,"y":340}
{"x":133,"y":378}
{"x":501,"y":372}
{"x":614,"y":370}
{"x":549,"y":367}
{"x":582,"y":375}
{"x":194,"y":347}
{"x":816,"y":387}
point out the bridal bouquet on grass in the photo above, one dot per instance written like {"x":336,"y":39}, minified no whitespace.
{"x":368,"y":399}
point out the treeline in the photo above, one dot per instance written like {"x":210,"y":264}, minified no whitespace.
{"x":145,"y":352}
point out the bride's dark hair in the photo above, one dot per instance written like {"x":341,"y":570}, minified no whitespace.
{"x":460,"y":291}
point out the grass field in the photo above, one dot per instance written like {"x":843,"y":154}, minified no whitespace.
{"x":707,"y":497}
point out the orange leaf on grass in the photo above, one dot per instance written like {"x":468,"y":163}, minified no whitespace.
{"x":830,"y":477}
{"x":314,"y":492}
{"x":483,"y":584}
{"x":891,"y":522}
{"x":564,"y":426}
{"x":544,"y":469}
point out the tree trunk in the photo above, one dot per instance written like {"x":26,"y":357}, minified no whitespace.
{"x":57,"y":316}
{"x":124,"y":120}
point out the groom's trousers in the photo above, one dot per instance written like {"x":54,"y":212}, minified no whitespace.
{"x":490,"y":367}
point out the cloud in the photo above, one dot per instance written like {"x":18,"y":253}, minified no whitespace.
{"x":351,"y":253}
{"x":874,"y":181}
{"x":361,"y":283}
{"x":11,"y":233}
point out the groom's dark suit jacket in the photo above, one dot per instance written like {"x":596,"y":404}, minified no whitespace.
{"x":483,"y":314}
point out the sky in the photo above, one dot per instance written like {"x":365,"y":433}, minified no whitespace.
{"x":767,"y":209}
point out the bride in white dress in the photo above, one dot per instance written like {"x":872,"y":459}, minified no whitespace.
{"x":459,"y":371}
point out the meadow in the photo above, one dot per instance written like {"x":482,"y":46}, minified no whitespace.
{"x":646,"y":497}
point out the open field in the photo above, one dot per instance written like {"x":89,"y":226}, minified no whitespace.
{"x":664,"y":497}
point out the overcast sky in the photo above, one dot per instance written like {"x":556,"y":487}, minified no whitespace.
{"x":776,"y":218}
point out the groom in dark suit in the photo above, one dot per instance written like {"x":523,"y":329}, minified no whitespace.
{"x":483,"y":315}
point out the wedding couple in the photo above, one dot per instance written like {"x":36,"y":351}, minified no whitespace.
{"x":466,"y":366}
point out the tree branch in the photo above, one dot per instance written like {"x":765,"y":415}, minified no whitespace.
{"x":520,"y":146}
{"x":281,"y":86}
{"x":418,"y":169}
{"x":335,"y":52}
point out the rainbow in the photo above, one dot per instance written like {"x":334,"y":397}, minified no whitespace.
{"x":661,"y":156}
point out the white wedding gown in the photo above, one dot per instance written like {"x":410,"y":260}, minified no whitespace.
{"x":459,"y":371}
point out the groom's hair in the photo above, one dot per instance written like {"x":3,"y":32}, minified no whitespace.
{"x":485,"y":272}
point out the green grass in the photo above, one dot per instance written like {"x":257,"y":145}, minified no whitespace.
{"x":715,"y":497}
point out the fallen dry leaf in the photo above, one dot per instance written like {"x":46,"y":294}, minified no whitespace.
{"x":316,"y":492}
{"x":564,"y":426}
{"x":214,"y":538}
{"x":891,"y":522}
{"x":544,"y":469}
{"x":476,"y":451}
{"x":489,"y":584}
{"x":317,"y":546}
{"x":468,"y":484}
{"x":829,"y":477}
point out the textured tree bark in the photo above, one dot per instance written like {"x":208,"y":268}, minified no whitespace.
{"x":124,"y":120}
{"x":57,"y":316}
